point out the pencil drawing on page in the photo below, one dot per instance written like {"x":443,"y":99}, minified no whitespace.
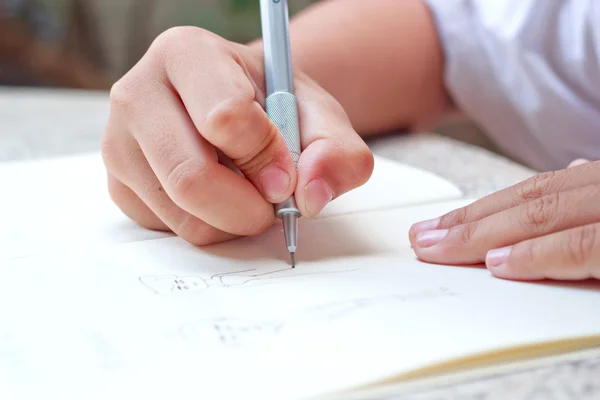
{"x":249,"y":332}
{"x":174,"y":284}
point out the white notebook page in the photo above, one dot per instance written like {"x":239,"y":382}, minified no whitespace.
{"x":163,"y":318}
{"x":48,"y":206}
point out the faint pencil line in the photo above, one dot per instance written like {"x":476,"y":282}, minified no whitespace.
{"x":253,"y":278}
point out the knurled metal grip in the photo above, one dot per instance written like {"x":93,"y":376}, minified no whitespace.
{"x":282,"y":109}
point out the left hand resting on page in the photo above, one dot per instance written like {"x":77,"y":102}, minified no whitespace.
{"x":547,"y":227}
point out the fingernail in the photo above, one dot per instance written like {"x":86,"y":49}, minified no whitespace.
{"x":423,"y":226}
{"x":317,"y":195}
{"x":274,"y":182}
{"x":578,"y":162}
{"x":497,"y":257}
{"x":430,"y":238}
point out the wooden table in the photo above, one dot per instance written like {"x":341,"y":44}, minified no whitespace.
{"x":38,"y":123}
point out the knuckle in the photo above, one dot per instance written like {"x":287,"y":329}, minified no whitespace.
{"x":580,"y":245}
{"x":359,"y":162}
{"x":364,"y":162}
{"x":121,"y":95}
{"x":457,"y":217}
{"x":526,"y":257}
{"x":229,"y":115}
{"x":540,"y":213}
{"x":529,"y":253}
{"x":174,"y":35}
{"x":262,"y":154}
{"x":172,"y":47}
{"x":466,"y":233}
{"x":185,"y":177}
{"x":178,"y":37}
{"x":128,"y":97}
{"x":249,"y":138}
{"x":534,"y":187}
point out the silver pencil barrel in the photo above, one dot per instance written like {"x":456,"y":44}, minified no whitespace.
{"x":276,"y":42}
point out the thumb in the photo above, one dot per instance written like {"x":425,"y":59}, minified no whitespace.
{"x":329,"y":168}
{"x":335,"y":159}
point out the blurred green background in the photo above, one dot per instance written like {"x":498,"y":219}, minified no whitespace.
{"x":89,"y":44}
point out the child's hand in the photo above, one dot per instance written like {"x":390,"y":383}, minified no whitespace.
{"x":547,"y":227}
{"x":195,"y":97}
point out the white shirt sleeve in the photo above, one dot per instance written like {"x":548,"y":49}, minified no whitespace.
{"x":528,"y":72}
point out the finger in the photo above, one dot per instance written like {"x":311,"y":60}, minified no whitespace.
{"x":334,"y":159}
{"x":185,"y":164}
{"x":469,"y":243}
{"x":578,"y":162}
{"x":231,"y":117}
{"x":138,"y":193}
{"x":572,"y":254}
{"x":224,"y":104}
{"x":133,"y":207}
{"x":523,"y":192}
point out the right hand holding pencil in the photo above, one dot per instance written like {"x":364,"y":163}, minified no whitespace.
{"x":189,"y":148}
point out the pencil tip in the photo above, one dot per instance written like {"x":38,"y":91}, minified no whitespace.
{"x":293,"y":256}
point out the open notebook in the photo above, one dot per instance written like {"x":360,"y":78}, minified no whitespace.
{"x":94,"y":307}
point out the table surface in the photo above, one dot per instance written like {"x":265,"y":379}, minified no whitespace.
{"x":37,"y":123}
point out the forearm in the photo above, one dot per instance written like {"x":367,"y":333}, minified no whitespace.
{"x":381,"y":60}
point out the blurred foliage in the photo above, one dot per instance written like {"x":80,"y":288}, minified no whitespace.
{"x":104,"y":38}
{"x":237,"y":20}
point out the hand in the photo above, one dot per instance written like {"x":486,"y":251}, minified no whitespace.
{"x":189,"y":148}
{"x":547,"y":227}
